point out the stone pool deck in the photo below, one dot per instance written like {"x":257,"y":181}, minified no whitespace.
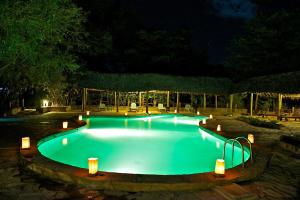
{"x":279,"y":181}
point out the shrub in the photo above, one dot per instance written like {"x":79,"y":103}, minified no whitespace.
{"x":260,"y":123}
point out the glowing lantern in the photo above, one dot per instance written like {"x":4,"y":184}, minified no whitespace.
{"x":219,"y":128}
{"x":220,"y":167}
{"x":65,"y":125}
{"x":203,"y":121}
{"x":25,"y":143}
{"x":65,"y":141}
{"x":149,"y":112}
{"x":93,"y":166}
{"x":198,"y":113}
{"x":126,"y":114}
{"x":45,"y":103}
{"x":251,"y":138}
{"x":87,"y":113}
{"x":210,"y":116}
{"x":175,"y":111}
{"x":80,"y":117}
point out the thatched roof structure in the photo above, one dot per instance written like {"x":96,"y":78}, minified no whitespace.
{"x":285,"y":83}
{"x":143,"y":82}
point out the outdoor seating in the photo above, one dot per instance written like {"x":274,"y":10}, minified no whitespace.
{"x":188,"y":108}
{"x":133,"y":107}
{"x":161,"y":107}
{"x":102,"y":106}
{"x":295,"y":115}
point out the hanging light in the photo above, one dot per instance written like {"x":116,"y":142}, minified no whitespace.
{"x":65,"y":125}
{"x":65,"y":141}
{"x":80,"y":117}
{"x":220,"y":167}
{"x":25,"y":142}
{"x":211,"y":116}
{"x":219,"y":128}
{"x":87,"y":113}
{"x":251,"y":138}
{"x":93,"y":166}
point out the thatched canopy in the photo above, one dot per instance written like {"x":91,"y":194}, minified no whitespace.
{"x":143,"y":82}
{"x":286,"y":83}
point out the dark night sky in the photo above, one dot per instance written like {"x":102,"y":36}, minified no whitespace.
{"x":214,"y":23}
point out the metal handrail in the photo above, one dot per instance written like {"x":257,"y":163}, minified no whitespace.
{"x":250,"y":146}
{"x":234,"y":140}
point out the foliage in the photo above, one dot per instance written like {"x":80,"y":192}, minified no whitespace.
{"x":260,"y":123}
{"x":271,"y":44}
{"x":38,"y":41}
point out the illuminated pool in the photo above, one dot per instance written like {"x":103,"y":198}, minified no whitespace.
{"x":157,"y":144}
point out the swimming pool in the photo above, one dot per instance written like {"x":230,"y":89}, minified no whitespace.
{"x":157,"y":144}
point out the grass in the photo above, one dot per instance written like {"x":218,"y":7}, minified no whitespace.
{"x":260,"y":123}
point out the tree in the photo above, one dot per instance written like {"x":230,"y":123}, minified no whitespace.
{"x":39,"y":41}
{"x":271,"y":44}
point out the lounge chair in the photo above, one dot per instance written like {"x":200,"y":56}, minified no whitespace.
{"x":133,"y":107}
{"x":161,"y":107}
{"x":102,"y":106}
{"x":188,"y":107}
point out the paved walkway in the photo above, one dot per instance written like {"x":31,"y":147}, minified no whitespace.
{"x":280,"y":180}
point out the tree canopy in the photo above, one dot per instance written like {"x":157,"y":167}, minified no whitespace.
{"x":39,"y":39}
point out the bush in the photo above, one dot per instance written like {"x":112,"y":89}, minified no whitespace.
{"x":260,"y":123}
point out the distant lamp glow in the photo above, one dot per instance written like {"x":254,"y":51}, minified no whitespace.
{"x":251,"y":138}
{"x":211,"y":116}
{"x":65,"y":141}
{"x":87,"y":113}
{"x":45,"y":103}
{"x":219,"y":128}
{"x":126,"y":114}
{"x":80,"y":117}
{"x":203,"y":121}
{"x":149,"y":112}
{"x":198,"y":113}
{"x":175,"y":111}
{"x":93,"y":166}
{"x":65,"y":125}
{"x":220,"y":167}
{"x":25,"y":142}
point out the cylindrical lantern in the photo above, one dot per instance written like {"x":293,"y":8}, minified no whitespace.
{"x":65,"y":125}
{"x":220,"y":167}
{"x":80,"y":117}
{"x":210,"y":116}
{"x":198,"y":113}
{"x":203,"y":121}
{"x":219,"y":127}
{"x":251,"y":138}
{"x":25,"y":143}
{"x":65,"y":141}
{"x":149,"y":112}
{"x":126,"y":114}
{"x":87,"y":113}
{"x":93,"y":166}
{"x":175,"y":111}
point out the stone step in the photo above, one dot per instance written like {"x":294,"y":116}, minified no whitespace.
{"x":234,"y":192}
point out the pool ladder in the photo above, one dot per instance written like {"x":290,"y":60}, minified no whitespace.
{"x":242,"y":148}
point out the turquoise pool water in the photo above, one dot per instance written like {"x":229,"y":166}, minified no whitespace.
{"x":157,"y":144}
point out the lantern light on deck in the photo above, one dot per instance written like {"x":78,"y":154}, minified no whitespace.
{"x":211,"y":116}
{"x":175,"y":111}
{"x":93,"y":166}
{"x":87,"y":113}
{"x":220,"y":167}
{"x":126,"y":114}
{"x":198,"y":113}
{"x":219,"y":128}
{"x":25,"y":142}
{"x":251,"y":138}
{"x":80,"y":117}
{"x":203,"y":121}
{"x":65,"y":125}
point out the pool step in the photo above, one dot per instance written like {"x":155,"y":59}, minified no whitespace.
{"x":234,"y":192}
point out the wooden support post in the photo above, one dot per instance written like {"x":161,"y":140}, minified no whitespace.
{"x":204,"y":101}
{"x":251,"y":104}
{"x":84,"y":99}
{"x":231,"y":103}
{"x":140,"y":99}
{"x":168,"y":99}
{"x":115,"y":100}
{"x":192,"y":99}
{"x":256,"y":102}
{"x":216,"y":101}
{"x":279,"y":104}
{"x":118,"y":100}
{"x":177,"y":103}
{"x":147,"y":98}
